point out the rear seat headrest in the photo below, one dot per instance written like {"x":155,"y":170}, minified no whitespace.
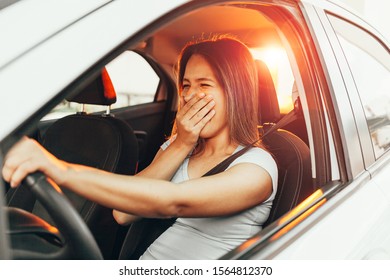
{"x":99,"y":92}
{"x":269,"y":111}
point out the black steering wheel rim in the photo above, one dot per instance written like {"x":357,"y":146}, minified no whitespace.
{"x":79,"y":242}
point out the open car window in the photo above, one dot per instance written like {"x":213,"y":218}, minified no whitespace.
{"x":134,"y":81}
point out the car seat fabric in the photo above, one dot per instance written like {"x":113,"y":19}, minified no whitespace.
{"x":292,"y":155}
{"x":100,"y":141}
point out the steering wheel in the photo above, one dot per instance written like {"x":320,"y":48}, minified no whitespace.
{"x":77,"y":243}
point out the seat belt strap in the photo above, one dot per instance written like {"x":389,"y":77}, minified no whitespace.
{"x":225,"y":163}
{"x":290,"y":117}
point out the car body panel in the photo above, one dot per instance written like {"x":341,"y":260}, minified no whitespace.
{"x":360,"y":119}
{"x":360,"y":210}
{"x":27,"y":23}
{"x":346,"y":119}
{"x":348,"y":218}
{"x":343,"y":227}
{"x":40,"y":86}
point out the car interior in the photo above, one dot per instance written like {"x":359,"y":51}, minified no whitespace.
{"x":124,"y":132}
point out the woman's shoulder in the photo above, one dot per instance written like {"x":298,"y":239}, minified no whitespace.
{"x":256,"y":153}
{"x":265,"y":160}
{"x":258,"y":156}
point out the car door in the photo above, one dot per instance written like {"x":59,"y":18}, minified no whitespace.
{"x":345,"y":218}
{"x":353,"y":224}
{"x":367,"y":55}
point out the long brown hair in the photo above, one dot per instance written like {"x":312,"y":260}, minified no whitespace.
{"x":235,"y":70}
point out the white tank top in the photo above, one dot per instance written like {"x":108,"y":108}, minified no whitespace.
{"x":211,"y":238}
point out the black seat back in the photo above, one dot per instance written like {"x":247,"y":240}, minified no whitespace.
{"x":100,"y":141}
{"x":292,"y":155}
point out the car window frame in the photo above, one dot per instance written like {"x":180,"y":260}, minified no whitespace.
{"x":343,"y":122}
{"x":316,"y":101}
{"x":363,"y":128}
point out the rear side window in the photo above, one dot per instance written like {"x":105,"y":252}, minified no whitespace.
{"x":134,"y":80}
{"x":369,"y":62}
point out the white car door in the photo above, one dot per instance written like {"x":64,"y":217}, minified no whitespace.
{"x":355,"y":223}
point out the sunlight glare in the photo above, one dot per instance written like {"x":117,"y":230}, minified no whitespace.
{"x":278,"y":64}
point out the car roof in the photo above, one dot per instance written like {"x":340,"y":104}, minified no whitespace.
{"x":31,"y":48}
{"x":32,"y":22}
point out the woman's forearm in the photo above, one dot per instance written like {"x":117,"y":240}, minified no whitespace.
{"x":166,"y":162}
{"x":130,"y":194}
{"x":163,"y":167}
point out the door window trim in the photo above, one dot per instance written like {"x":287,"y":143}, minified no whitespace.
{"x":353,"y":91}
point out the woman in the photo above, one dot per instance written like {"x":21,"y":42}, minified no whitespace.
{"x":217,"y":117}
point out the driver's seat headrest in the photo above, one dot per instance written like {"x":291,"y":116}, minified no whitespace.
{"x":99,"y":92}
{"x":269,"y":111}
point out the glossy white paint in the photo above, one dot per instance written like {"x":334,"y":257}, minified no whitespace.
{"x":117,"y":21}
{"x":353,"y":224}
{"x":345,"y":226}
{"x":27,"y":23}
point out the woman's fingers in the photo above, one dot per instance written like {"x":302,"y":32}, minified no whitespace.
{"x":25,"y":157}
{"x":21,"y":172}
{"x":196,"y":103}
{"x":8,"y":169}
{"x":193,"y":116}
{"x":201,"y":124}
{"x":14,"y":158}
{"x":186,"y":106}
{"x":192,"y":108}
{"x":202,"y":112}
{"x":195,"y":110}
{"x":186,"y":123}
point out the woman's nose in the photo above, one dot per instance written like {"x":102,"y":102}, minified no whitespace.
{"x":189,"y":94}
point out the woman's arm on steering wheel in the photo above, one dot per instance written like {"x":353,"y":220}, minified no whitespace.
{"x":141,"y":196}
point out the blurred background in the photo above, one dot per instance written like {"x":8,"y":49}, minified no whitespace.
{"x":376,"y":12}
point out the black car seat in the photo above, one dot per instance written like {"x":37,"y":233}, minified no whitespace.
{"x":100,"y":141}
{"x":292,"y":155}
